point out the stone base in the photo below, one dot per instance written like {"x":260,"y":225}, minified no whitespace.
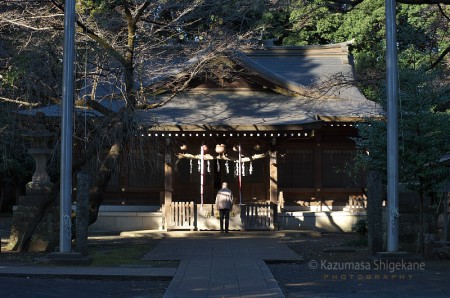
{"x":67,"y":258}
{"x":207,"y":220}
{"x":331,"y":221}
{"x":127,"y":218}
{"x":46,"y":235}
{"x":35,"y":200}
{"x":397,"y":255}
{"x":38,"y":188}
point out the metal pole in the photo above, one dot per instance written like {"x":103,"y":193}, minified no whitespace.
{"x":202,"y":173}
{"x":65,"y":232}
{"x":392,"y":126}
{"x":240,"y":176}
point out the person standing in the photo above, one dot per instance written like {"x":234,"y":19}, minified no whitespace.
{"x":224,"y":203}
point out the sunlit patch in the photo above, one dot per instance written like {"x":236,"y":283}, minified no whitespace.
{"x":302,"y":284}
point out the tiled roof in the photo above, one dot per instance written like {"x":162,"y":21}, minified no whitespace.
{"x":319,"y":77}
{"x":246,"y":110}
{"x":324,"y":70}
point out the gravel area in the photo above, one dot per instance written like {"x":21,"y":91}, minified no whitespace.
{"x":335,"y":266}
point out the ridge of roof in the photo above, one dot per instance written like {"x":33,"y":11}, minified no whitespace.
{"x":249,"y":59}
{"x":309,"y":50}
{"x":269,"y":75}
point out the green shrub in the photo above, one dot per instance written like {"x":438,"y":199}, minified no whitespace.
{"x":360,"y":227}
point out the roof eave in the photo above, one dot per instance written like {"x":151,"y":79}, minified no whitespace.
{"x":238,"y":127}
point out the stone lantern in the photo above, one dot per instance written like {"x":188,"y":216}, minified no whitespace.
{"x":40,"y":182}
{"x":37,"y":192}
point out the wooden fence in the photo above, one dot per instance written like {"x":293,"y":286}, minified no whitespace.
{"x":181,"y":216}
{"x":254,"y":216}
{"x":357,"y":203}
{"x":260,"y":216}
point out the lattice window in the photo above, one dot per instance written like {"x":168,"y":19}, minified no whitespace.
{"x":334,"y":167}
{"x":297,"y":169}
{"x":149,"y":176}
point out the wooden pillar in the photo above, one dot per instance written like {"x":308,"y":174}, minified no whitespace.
{"x":318,"y":167}
{"x":273,"y":172}
{"x":168,"y":188}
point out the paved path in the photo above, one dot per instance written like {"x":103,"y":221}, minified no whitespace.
{"x":223,"y":265}
{"x":73,"y":271}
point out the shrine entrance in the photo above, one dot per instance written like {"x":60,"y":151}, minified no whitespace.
{"x":249,"y":216}
{"x":198,"y":177}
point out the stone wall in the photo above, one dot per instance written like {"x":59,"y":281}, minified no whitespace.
{"x":127,"y":218}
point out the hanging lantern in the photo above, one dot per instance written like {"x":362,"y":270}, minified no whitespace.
{"x":220,"y":148}
{"x":184,"y":147}
{"x":227,"y":167}
{"x":218,"y":165}
{"x":190,"y":166}
{"x":250,"y":170}
{"x":208,"y":166}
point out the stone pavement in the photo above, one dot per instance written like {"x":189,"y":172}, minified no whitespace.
{"x":212,"y":264}
{"x":223,"y":265}
{"x":87,"y":272}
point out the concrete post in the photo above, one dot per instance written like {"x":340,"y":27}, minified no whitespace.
{"x":374,"y":212}
{"x":82,"y":212}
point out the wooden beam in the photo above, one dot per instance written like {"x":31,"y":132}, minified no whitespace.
{"x":318,"y":166}
{"x":168,"y":189}
{"x":273,"y":173}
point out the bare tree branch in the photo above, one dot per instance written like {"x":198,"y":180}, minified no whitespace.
{"x":19,"y":102}
{"x":443,"y":13}
{"x":140,"y":11}
{"x":412,"y":2}
{"x":93,"y":104}
{"x":20,"y":24}
{"x":113,"y":52}
{"x":439,"y":59}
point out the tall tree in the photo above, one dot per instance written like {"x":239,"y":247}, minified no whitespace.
{"x":122,"y":46}
{"x":423,"y":28}
{"x":423,"y":47}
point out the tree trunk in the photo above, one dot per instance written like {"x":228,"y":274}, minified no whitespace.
{"x":129,"y":57}
{"x":101,"y":181}
{"x":129,"y":85}
{"x":25,"y":241}
{"x":95,"y":199}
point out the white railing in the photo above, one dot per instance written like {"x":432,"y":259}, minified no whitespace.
{"x":357,"y":203}
{"x":259,"y":216}
{"x":181,"y":216}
